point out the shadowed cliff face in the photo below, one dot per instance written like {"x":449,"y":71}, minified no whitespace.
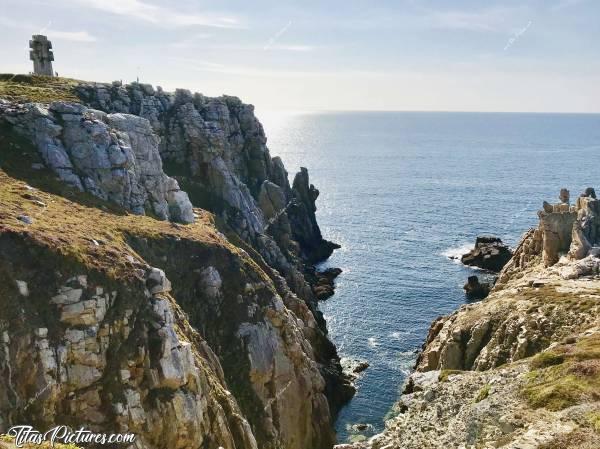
{"x":173,"y":331}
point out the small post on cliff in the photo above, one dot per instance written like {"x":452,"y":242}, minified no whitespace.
{"x":41,"y":55}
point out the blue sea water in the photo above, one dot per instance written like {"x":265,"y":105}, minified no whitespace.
{"x":401,"y":191}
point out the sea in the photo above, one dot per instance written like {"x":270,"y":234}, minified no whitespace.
{"x":403,"y":193}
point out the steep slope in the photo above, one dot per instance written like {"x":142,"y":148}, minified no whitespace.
{"x":114,"y":316}
{"x":520,"y":369}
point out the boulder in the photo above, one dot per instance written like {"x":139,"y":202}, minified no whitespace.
{"x":489,"y":253}
{"x":475,"y":289}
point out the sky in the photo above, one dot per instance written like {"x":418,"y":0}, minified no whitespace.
{"x":462,"y":55}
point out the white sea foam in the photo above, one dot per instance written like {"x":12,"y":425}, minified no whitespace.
{"x":373,"y":343}
{"x":456,"y":252}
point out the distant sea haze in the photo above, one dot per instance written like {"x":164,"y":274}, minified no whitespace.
{"x":403,"y":191}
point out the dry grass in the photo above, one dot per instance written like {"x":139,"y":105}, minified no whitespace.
{"x":39,"y":89}
{"x":8,"y":443}
{"x":92,"y":231}
{"x":566,"y":376}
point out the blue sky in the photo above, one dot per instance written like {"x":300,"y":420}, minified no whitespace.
{"x":337,"y":55}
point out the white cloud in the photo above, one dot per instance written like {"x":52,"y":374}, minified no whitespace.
{"x":75,"y":36}
{"x":140,"y":10}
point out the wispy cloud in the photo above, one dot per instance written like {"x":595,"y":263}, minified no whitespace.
{"x":137,"y":9}
{"x":261,"y":72}
{"x":74,"y":36}
{"x":53,"y":34}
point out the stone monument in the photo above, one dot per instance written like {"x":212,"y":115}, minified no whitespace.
{"x":41,"y":55}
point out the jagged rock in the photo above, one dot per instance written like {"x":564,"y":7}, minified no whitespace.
{"x":475,"y":289}
{"x":157,"y":282}
{"x":117,"y":160}
{"x":589,"y":192}
{"x":324,"y":282}
{"x":360,"y":367}
{"x":304,"y":222}
{"x":281,"y":362}
{"x":489,"y":253}
{"x":564,"y":195}
{"x":218,"y":148}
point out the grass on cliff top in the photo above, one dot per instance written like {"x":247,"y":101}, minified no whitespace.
{"x":38,"y":89}
{"x":565,"y":376}
{"x":91,"y":231}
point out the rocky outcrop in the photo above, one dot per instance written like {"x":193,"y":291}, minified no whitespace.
{"x":219,"y":148}
{"x":489,"y":253}
{"x":178,"y":333}
{"x":563,"y":230}
{"x":515,"y":322}
{"x":216,"y":149}
{"x":125,"y":323}
{"x":135,"y":146}
{"x":475,"y":289}
{"x":516,"y":370}
{"x":112,"y":156}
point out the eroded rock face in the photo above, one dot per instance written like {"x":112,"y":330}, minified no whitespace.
{"x":219,"y":147}
{"x":112,"y":156}
{"x":563,"y":230}
{"x":224,"y":364}
{"x":233,"y":351}
{"x":216,"y":149}
{"x":113,"y":358}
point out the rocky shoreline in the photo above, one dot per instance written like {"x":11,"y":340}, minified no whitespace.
{"x":158,"y":272}
{"x":520,"y":369}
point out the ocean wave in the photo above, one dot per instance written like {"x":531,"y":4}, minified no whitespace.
{"x":456,"y":252}
{"x":372,"y":341}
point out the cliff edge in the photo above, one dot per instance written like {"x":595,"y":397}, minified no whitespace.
{"x":154,"y":262}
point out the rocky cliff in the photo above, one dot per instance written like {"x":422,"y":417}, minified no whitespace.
{"x":155,"y":270}
{"x":520,"y":369}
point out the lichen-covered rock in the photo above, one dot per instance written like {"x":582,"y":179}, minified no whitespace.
{"x":112,"y":156}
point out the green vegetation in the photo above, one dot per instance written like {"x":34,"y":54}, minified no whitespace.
{"x":34,"y":88}
{"x":594,"y":420}
{"x":566,"y":376}
{"x":483,"y":393}
{"x":546,"y":359}
{"x":445,"y":373}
